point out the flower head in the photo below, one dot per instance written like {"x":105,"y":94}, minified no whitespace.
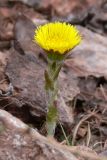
{"x":57,"y":37}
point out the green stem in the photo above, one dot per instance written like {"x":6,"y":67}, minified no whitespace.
{"x":51,"y":120}
{"x":51,"y":87}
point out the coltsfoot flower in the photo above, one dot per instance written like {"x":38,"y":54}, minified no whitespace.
{"x":57,"y":37}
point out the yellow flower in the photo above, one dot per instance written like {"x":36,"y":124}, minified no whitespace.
{"x":57,"y":37}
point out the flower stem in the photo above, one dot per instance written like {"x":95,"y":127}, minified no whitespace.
{"x":51,"y":120}
{"x":51,"y":86}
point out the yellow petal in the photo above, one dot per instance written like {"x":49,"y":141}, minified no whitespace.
{"x":57,"y":36}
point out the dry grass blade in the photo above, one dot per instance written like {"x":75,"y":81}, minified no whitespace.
{"x":67,"y":141}
{"x":79,"y":124}
{"x":88,"y":135}
{"x":87,"y":155}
